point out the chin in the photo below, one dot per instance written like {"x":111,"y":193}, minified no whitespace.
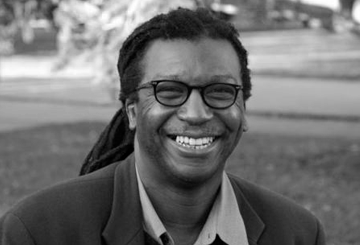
{"x":194,"y":171}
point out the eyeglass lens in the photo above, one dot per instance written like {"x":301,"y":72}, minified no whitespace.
{"x":172,"y":93}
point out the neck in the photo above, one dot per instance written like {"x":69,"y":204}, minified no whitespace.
{"x":179,"y":206}
{"x":183,"y":212}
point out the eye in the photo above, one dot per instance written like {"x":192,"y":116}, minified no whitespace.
{"x":220,"y":91}
{"x":170,"y":89}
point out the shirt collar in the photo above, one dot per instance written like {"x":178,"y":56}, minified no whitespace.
{"x":224,"y":219}
{"x":152,"y":223}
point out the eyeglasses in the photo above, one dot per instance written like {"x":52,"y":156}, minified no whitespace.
{"x":175,"y":93}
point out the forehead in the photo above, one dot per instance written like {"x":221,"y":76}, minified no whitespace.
{"x":200,"y":60}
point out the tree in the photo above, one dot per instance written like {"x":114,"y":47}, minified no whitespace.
{"x":347,"y":7}
{"x":95,"y":30}
{"x":18,"y":16}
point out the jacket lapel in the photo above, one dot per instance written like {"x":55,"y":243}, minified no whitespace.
{"x":253,"y":224}
{"x":125,"y":222}
{"x":126,"y":214}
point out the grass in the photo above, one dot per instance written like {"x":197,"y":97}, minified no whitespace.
{"x":320,"y":174}
{"x":36,"y":158}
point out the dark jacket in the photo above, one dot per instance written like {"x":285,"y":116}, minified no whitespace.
{"x":104,"y":208}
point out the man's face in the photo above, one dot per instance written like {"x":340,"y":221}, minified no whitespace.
{"x":188,"y":143}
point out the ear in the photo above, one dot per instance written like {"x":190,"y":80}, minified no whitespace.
{"x":131,"y":111}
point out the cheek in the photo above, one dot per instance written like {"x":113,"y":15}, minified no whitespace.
{"x":234,"y":118}
{"x":151,"y":116}
{"x":146,"y":106}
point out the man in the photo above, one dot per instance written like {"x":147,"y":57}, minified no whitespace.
{"x":184,"y":82}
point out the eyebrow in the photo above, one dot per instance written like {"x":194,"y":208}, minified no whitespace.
{"x":213,"y":79}
{"x":175,"y":77}
{"x":222,"y":78}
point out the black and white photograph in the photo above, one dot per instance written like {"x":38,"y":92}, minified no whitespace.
{"x":179,"y":122}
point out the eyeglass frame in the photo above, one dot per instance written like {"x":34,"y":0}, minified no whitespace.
{"x":201,"y":89}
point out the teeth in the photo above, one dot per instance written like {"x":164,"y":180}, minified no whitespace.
{"x":186,"y":140}
{"x":199,"y":143}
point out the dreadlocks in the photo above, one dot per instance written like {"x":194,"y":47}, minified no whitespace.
{"x":116,"y":142}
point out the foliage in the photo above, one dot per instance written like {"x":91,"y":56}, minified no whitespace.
{"x":19,"y":16}
{"x":95,"y":31}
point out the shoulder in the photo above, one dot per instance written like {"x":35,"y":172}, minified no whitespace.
{"x":263,"y":199}
{"x":75,"y":211}
{"x":88,"y":196}
{"x":77,"y":191}
{"x":279,"y":214}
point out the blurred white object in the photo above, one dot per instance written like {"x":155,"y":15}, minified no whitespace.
{"x":356,"y":12}
{"x":331,"y":4}
{"x":229,"y":9}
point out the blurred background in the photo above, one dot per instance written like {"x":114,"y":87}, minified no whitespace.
{"x":59,"y":88}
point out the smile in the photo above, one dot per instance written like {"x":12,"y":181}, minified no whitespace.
{"x":192,"y":143}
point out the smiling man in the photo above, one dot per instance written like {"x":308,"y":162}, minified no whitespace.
{"x":191,"y":116}
{"x":160,"y":163}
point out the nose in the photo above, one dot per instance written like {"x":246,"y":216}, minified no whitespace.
{"x":194,"y":110}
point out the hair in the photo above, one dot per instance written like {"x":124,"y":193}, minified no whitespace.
{"x":116,"y":141}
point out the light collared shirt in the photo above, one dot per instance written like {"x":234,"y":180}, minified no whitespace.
{"x":224,"y":220}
